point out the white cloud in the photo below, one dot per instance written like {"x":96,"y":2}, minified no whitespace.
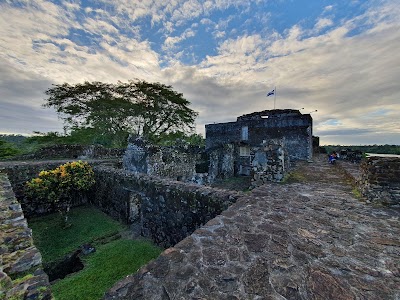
{"x":322,"y":23}
{"x":328,"y":8}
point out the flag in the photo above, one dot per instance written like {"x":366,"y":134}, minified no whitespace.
{"x":271,"y":93}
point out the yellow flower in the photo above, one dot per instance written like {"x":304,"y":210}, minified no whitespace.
{"x":37,"y":180}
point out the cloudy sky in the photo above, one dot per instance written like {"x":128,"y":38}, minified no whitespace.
{"x":341,"y":58}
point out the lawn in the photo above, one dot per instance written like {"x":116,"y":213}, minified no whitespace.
{"x":111,"y":261}
{"x":88,"y":224}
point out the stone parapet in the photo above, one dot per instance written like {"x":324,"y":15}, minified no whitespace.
{"x":380,"y":179}
{"x":21,"y":273}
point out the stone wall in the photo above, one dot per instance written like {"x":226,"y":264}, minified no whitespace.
{"x":74,"y":152}
{"x":21,"y":273}
{"x":166,"y":211}
{"x":380,"y":179}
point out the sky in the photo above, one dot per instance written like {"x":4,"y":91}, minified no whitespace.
{"x":338,"y":60}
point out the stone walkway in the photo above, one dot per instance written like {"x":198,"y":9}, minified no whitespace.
{"x":303,"y":240}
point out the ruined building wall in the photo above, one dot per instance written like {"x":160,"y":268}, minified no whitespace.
{"x":21,"y":273}
{"x":380,"y":179}
{"x":265,"y":162}
{"x":178,"y":163}
{"x":166,"y":211}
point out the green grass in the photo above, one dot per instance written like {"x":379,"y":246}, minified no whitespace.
{"x":88,"y":224}
{"x":110,"y":263}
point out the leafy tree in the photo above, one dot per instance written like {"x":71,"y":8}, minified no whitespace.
{"x":114,"y":110}
{"x":62,"y":185}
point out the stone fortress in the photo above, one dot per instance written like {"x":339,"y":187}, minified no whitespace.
{"x":308,"y":240}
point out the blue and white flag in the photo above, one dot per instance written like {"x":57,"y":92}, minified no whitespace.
{"x":271,"y":93}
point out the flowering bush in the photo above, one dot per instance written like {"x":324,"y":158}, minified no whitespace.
{"x":62,"y":185}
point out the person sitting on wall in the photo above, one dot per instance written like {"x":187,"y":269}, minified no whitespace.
{"x":333,"y":157}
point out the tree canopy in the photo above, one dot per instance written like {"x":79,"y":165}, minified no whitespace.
{"x":138,"y":107}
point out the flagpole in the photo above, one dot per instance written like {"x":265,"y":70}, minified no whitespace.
{"x":274,"y":96}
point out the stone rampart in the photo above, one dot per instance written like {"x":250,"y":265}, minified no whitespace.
{"x":167,"y":211}
{"x":380,"y":179}
{"x":21,"y":273}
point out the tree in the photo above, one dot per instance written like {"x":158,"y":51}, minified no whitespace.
{"x":61,"y":186}
{"x":138,"y":107}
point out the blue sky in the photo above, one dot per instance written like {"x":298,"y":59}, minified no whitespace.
{"x":338,"y":57}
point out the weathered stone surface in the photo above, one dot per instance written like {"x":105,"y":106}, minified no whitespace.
{"x":19,"y":258}
{"x":309,"y":240}
{"x":167,"y":210}
{"x":380,"y":179}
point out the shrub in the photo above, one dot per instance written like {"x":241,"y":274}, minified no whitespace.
{"x":62,"y":185}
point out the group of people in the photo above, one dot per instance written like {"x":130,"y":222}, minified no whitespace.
{"x":333,"y":157}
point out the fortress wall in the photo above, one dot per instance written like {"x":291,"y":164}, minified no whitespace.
{"x":380,"y":179}
{"x":164,"y":210}
{"x":167,"y":211}
{"x":21,"y":273}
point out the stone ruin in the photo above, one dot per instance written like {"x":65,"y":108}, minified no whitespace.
{"x":179,"y":162}
{"x":268,"y":161}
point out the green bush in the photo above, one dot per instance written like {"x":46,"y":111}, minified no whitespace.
{"x":62,"y":185}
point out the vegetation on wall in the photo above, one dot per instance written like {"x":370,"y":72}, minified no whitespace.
{"x":62,"y":185}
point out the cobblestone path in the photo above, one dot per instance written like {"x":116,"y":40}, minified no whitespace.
{"x":307,"y":239}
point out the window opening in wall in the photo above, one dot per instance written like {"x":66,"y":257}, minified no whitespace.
{"x":245,"y":133}
{"x":244,"y":151}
